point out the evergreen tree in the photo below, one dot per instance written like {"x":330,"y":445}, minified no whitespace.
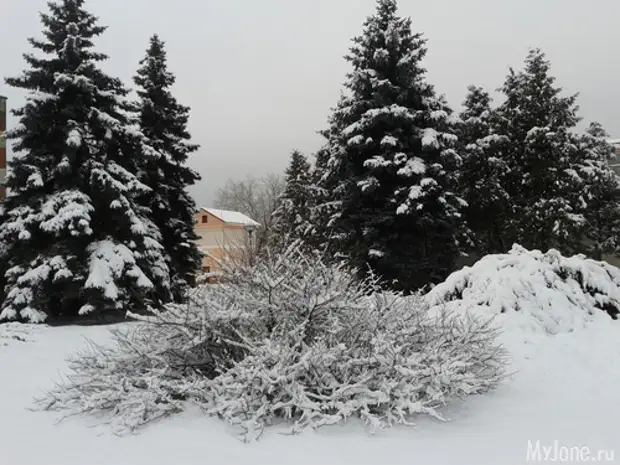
{"x":319,"y":202}
{"x":543,"y":158}
{"x":77,"y":237}
{"x":596,"y":130}
{"x":475,"y":118}
{"x":320,"y":196}
{"x":483,"y":174}
{"x":601,"y":193}
{"x":164,"y":122}
{"x":390,"y":174}
{"x":292,"y":217}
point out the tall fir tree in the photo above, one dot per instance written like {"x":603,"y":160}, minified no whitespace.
{"x":483,"y":174}
{"x":319,"y":211}
{"x":164,"y":122}
{"x":554,"y":177}
{"x":292,"y":217}
{"x":77,"y":236}
{"x":601,"y":193}
{"x":542,"y":182}
{"x":391,"y":169}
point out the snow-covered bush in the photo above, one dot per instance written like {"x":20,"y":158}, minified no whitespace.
{"x":551,"y":292}
{"x":288,"y":339}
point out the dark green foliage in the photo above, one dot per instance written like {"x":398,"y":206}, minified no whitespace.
{"x":601,"y":194}
{"x":292,"y":217}
{"x":483,"y":174}
{"x":551,"y":169}
{"x":321,"y":193}
{"x":528,"y":177}
{"x":542,"y":157}
{"x":164,"y":122}
{"x":389,"y":176}
{"x":77,"y":237}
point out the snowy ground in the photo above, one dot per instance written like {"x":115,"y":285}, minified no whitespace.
{"x":565,"y":389}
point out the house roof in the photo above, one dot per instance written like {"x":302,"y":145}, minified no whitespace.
{"x":231,"y":217}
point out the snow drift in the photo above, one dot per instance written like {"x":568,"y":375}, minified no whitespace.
{"x":567,"y":382}
{"x":550,"y":293}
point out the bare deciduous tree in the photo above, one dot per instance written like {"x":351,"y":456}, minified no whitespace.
{"x":256,"y":197}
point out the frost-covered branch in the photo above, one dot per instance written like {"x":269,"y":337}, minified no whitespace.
{"x":290,"y":338}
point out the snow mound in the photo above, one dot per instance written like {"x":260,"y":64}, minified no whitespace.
{"x":541,"y":291}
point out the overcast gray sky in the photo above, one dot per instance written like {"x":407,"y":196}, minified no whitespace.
{"x":261,"y":75}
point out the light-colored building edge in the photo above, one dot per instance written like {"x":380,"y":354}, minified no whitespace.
{"x":223,"y":235}
{"x":614,"y":161}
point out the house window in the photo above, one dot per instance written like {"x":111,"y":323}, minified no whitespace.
{"x":205,"y":219}
{"x":206,"y":269}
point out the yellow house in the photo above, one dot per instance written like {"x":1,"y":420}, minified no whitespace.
{"x":614,"y":161}
{"x":222,"y":233}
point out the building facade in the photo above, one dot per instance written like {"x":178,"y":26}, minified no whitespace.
{"x":2,"y":146}
{"x":614,"y":160}
{"x":223,"y":235}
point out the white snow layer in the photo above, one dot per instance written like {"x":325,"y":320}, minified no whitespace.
{"x":429,"y":138}
{"x":539,"y":291}
{"x":109,"y":263}
{"x":561,"y":398}
{"x":232,"y":217}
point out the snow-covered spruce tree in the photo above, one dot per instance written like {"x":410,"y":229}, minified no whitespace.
{"x":482,"y":174}
{"x":601,"y":193}
{"x":323,"y":203}
{"x":292,"y":217}
{"x":292,"y":339}
{"x":543,"y":181}
{"x":164,"y":122}
{"x":392,"y":160}
{"x":77,"y":239}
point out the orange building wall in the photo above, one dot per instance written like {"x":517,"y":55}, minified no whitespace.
{"x":217,"y":239}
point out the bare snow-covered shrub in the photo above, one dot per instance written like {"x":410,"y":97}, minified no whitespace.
{"x":290,"y":338}
{"x":548,"y":291}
